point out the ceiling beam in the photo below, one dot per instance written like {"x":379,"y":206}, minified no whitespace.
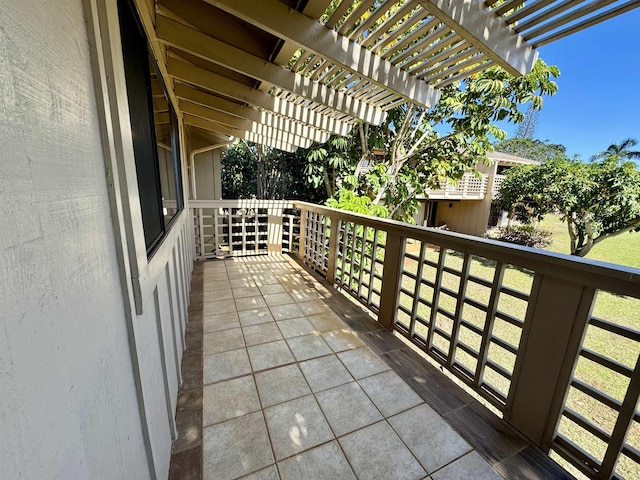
{"x":264,"y":130}
{"x":213,"y":82}
{"x":480,"y":26}
{"x":252,"y":137}
{"x":288,"y":24}
{"x":185,"y":92}
{"x":197,"y":43}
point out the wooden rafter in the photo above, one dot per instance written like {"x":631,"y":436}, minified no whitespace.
{"x":277,"y":19}
{"x":213,"y":82}
{"x":197,"y":43}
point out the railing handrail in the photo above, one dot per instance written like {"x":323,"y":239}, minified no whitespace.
{"x":240,"y":203}
{"x":595,"y":273}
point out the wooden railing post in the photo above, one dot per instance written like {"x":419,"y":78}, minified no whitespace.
{"x":274,"y":226}
{"x":303,"y":234}
{"x":553,"y":331}
{"x":333,"y":250}
{"x":391,"y":279}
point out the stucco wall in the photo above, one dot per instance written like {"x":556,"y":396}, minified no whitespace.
{"x":68,"y":406}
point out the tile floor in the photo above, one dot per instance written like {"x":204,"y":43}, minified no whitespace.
{"x":292,"y":392}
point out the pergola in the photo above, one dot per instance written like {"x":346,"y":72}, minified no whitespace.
{"x":292,"y":72}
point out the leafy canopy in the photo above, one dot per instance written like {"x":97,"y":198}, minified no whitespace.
{"x":597,"y":200}
{"x":422,"y":147}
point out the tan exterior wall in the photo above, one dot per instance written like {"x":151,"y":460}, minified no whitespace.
{"x":465,"y":216}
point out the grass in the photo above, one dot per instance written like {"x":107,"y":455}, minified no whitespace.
{"x":614,"y":308}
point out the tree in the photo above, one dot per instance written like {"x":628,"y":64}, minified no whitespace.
{"x":539,"y":150}
{"x":425,"y":146}
{"x":329,"y":162}
{"x":598,"y":200}
{"x":620,"y":151}
{"x":252,"y":170}
{"x":527,"y":128}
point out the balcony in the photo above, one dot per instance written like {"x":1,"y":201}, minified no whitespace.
{"x":513,"y":326}
{"x":469,"y":187}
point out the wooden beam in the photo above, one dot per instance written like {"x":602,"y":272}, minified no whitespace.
{"x":185,"y":92}
{"x":264,"y":130}
{"x":215,"y":115}
{"x":213,"y":82}
{"x":252,"y":137}
{"x":480,"y":26}
{"x":196,"y":43}
{"x":288,"y":24}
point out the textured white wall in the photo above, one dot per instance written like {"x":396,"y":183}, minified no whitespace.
{"x":68,"y":406}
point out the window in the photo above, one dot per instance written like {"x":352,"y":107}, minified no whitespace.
{"x":154,"y":127}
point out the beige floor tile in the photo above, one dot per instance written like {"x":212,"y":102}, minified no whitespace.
{"x":269,"y":355}
{"x":325,"y":372}
{"x":275,"y":299}
{"x":229,"y":399}
{"x":343,"y":339}
{"x":431,"y":440}
{"x":362,"y":362}
{"x":261,"y":333}
{"x":222,"y":341}
{"x":326,"y":321}
{"x":272,"y":288}
{"x":390,"y":393}
{"x":347,"y":408}
{"x":226,"y":365}
{"x":295,"y":327}
{"x":217,"y":295}
{"x":314,"y":307}
{"x":264,"y":279}
{"x":243,"y":292}
{"x":326,"y":462}
{"x":308,"y":346}
{"x":296,"y":426}
{"x":250,"y":303}
{"x":281,"y":384}
{"x":221,"y":321}
{"x":218,"y":307}
{"x":269,"y":473}
{"x":255,"y":316}
{"x":285,"y":312}
{"x":242,"y":282}
{"x":471,"y":465}
{"x":377,"y":453}
{"x":236,"y":447}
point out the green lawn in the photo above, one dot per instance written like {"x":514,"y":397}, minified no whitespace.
{"x":623,"y":249}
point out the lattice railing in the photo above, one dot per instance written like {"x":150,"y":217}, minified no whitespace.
{"x":469,"y":187}
{"x":601,"y":402}
{"x":243,"y":227}
{"x":519,"y":326}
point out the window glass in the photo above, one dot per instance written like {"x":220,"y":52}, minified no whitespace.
{"x":154,"y":128}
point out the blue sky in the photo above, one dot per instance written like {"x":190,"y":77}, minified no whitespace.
{"x":598,"y":101}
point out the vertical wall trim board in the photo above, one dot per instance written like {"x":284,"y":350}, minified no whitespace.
{"x":163,"y":364}
{"x":98,"y":28}
{"x":173,"y":319}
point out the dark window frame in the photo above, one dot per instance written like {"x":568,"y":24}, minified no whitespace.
{"x":138,"y":62}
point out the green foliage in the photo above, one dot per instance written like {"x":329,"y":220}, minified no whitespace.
{"x":620,"y":151}
{"x":350,"y":201}
{"x":596,"y":200}
{"x":532,"y":149}
{"x":254,"y":171}
{"x":326,"y":164}
{"x":526,"y":235}
{"x":418,"y":155}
